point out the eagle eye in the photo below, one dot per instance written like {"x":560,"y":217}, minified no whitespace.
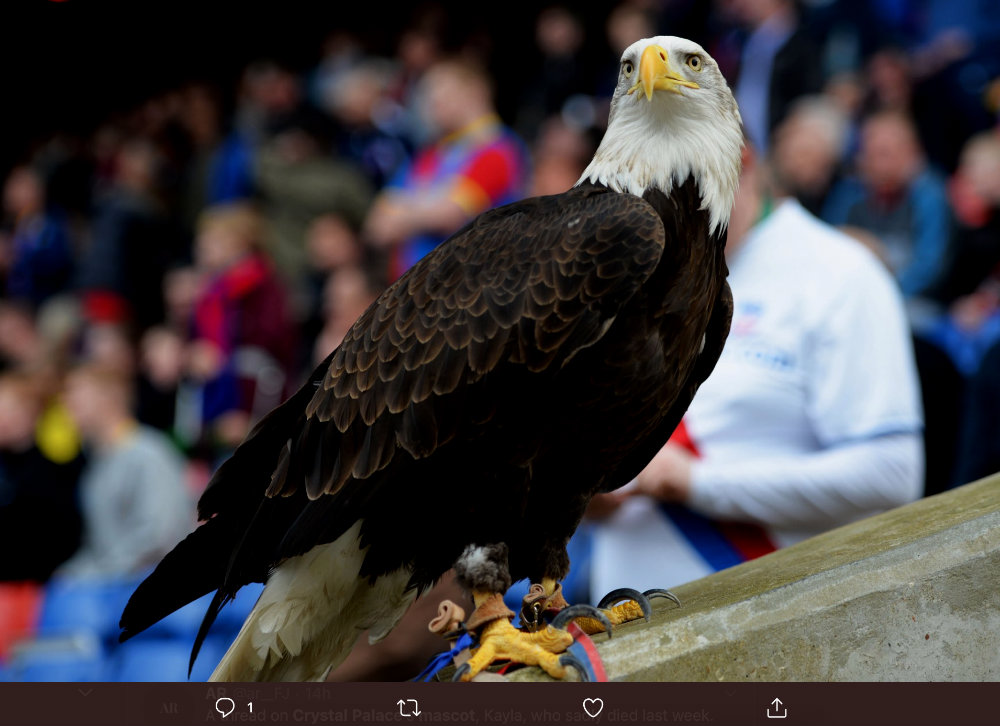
{"x":694,"y":62}
{"x":627,"y":67}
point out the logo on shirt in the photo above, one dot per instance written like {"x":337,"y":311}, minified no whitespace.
{"x":750,"y":344}
{"x":745,"y":319}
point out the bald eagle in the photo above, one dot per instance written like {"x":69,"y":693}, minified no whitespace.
{"x":542,"y":354}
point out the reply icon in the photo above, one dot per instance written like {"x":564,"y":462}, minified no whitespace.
{"x":225,"y":706}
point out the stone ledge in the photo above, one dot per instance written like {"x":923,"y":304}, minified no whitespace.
{"x":909,"y":595}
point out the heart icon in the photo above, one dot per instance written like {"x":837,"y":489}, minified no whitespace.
{"x":593,"y":706}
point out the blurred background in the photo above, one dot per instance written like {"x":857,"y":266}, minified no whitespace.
{"x":197,"y":206}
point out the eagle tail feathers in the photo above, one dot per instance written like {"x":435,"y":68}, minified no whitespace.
{"x":195,"y":567}
{"x":311,"y":613}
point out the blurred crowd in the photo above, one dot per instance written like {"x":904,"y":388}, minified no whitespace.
{"x":169,"y":277}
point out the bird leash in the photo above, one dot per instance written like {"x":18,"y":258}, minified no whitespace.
{"x":586,"y":652}
{"x":443,"y":660}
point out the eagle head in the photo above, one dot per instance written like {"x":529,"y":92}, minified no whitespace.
{"x":672,"y":116}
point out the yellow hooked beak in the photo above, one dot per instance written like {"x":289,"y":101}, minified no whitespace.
{"x":655,"y":74}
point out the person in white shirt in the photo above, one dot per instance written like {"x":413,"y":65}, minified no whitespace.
{"x":810,"y":420}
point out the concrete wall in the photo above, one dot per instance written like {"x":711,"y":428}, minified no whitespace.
{"x":912,"y":594}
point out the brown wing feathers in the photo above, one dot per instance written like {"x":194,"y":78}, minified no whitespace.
{"x":506,"y":291}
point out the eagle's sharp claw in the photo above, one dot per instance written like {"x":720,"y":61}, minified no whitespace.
{"x":567,"y":615}
{"x":571,"y":661}
{"x":627,"y":593}
{"x":659,"y":592}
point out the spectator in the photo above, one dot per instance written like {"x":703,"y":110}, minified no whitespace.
{"x":342,"y":51}
{"x":182,"y":286}
{"x":133,"y":494}
{"x":298,"y":181}
{"x":332,"y":245}
{"x":38,"y":257}
{"x":898,"y":198}
{"x":974,"y":193}
{"x":161,"y":366}
{"x":779,"y":63}
{"x":808,"y":147}
{"x":348,"y":292}
{"x":943,"y":391}
{"x":243,"y":342}
{"x":110,"y":346}
{"x":104,"y":144}
{"x":559,"y":71}
{"x":373,"y":128}
{"x":626,"y":23}
{"x":268,"y":93}
{"x":226,"y":152}
{"x":559,"y":156}
{"x":21,"y":343}
{"x":956,"y":40}
{"x":420,"y":46}
{"x":979,"y":452}
{"x":810,"y":420}
{"x":970,"y":287}
{"x":846,"y":91}
{"x":890,"y":82}
{"x":122,"y":270}
{"x":39,"y":520}
{"x":477,"y":163}
{"x":203,"y":174}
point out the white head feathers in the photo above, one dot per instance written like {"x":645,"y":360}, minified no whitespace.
{"x":672,"y":115}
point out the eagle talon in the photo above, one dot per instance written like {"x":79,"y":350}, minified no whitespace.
{"x":627,"y":593}
{"x":660,"y":592}
{"x":632,"y":605}
{"x":569,"y":660}
{"x":567,"y":615}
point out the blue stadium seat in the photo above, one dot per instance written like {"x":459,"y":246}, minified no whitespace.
{"x":79,"y":657}
{"x":208,"y":658}
{"x":161,"y":659}
{"x":72,"y":605}
{"x":66,"y":669}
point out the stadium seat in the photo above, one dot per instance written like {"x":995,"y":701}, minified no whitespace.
{"x":82,"y":605}
{"x":78,"y":657}
{"x":161,"y":659}
{"x":20,"y":603}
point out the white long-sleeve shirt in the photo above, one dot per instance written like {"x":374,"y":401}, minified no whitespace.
{"x":810,"y":420}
